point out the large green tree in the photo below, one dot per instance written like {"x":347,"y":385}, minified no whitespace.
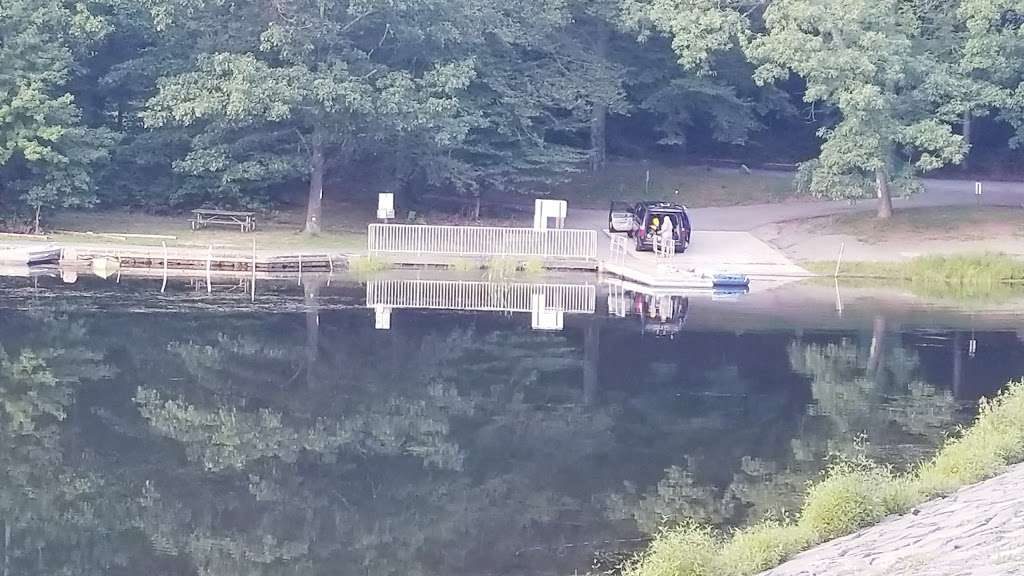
{"x":992,"y":34}
{"x":888,"y":71}
{"x":47,"y":153}
{"x":286,"y":87}
{"x":866,"y":59}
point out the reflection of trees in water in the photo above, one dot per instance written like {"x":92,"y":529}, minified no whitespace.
{"x":55,"y":516}
{"x":283,"y":445}
{"x":871,"y":392}
{"x":866,"y":396}
{"x":366,"y":468}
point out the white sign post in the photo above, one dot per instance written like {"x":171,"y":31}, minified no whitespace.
{"x":977,"y":192}
{"x":385,"y":206}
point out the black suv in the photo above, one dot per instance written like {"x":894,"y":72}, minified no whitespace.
{"x":638,"y":222}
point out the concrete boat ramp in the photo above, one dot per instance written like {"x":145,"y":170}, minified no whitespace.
{"x":709,"y":254}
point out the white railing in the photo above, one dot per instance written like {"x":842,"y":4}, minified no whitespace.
{"x":482,"y":241}
{"x":480,"y":296}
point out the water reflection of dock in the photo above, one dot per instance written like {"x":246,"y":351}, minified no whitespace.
{"x":547,"y":303}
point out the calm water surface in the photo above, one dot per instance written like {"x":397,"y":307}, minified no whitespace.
{"x":185,"y":434}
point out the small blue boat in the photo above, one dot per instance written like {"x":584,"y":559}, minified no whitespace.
{"x":730,"y":281}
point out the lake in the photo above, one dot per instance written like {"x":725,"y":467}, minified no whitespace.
{"x":185,"y":433}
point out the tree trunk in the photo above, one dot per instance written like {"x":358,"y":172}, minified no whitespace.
{"x":599,"y":113}
{"x":314,"y":209}
{"x":884,"y":194}
{"x":958,"y":365}
{"x":7,"y":546}
{"x":877,"y":353}
{"x":968,"y":121}
{"x":591,"y":360}
{"x":598,"y":138}
{"x":311,"y":292}
{"x":35,"y":224}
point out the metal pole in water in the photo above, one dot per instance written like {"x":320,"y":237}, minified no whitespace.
{"x":209,"y":263}
{"x":164,"y":285}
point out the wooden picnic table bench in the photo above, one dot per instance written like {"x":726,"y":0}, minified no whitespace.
{"x":203,"y":217}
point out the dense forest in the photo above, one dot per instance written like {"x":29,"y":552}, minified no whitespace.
{"x":169,"y":104}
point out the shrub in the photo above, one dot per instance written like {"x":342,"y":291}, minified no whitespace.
{"x":994,"y":440}
{"x":464,"y":265}
{"x":852,"y":495}
{"x":761,"y":547}
{"x":502,"y":266}
{"x":367,"y":265}
{"x":849,"y":498}
{"x":533,"y":267}
{"x":687,"y":550}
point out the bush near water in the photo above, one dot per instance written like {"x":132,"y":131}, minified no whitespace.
{"x":851,"y":496}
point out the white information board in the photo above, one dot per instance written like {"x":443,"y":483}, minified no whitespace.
{"x":382,"y":317}
{"x":546,"y":209}
{"x":543,"y":318}
{"x":385,"y":206}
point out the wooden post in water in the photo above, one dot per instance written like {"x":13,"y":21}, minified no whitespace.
{"x":253,"y":269}
{"x":7,"y":545}
{"x":300,"y":269}
{"x":209,"y":263}
{"x":164,"y":285}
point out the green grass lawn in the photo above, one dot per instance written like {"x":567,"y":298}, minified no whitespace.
{"x":698,"y":186}
{"x":959,"y":222}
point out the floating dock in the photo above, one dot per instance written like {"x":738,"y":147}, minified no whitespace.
{"x":159,"y":258}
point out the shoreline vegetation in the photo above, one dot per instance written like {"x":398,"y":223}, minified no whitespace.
{"x":853,"y":494}
{"x":964,"y":269}
{"x":987,"y":278}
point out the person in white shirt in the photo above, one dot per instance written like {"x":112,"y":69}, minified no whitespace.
{"x":668,"y":245}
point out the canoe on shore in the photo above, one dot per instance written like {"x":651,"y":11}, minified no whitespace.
{"x":31,"y":255}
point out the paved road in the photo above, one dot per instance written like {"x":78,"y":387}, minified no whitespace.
{"x":978,"y":531}
{"x":745,"y":218}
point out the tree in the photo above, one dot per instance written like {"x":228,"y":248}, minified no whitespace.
{"x":992,"y":56}
{"x":538,"y":85}
{"x":866,"y":59}
{"x":284,"y":89}
{"x":47,"y":154}
{"x":887,"y":69}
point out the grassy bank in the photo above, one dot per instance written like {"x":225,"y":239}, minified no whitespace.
{"x":962,"y":269}
{"x":941,"y":223}
{"x":969,"y":277}
{"x":851,"y":496}
{"x":698,"y":186}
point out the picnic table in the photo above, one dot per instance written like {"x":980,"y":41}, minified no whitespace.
{"x":203,"y":217}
